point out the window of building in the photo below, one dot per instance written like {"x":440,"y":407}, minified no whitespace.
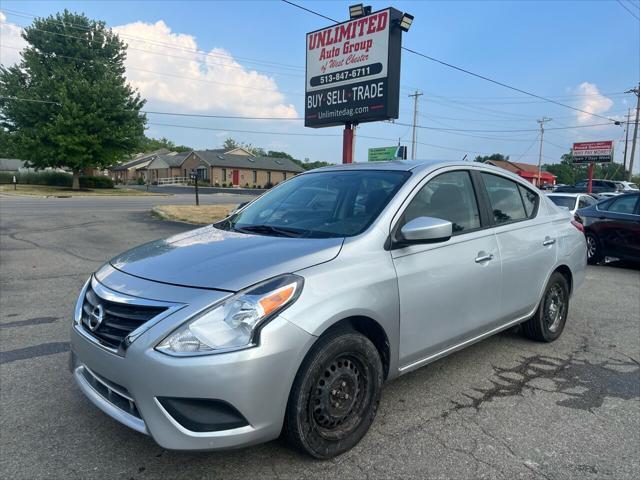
{"x":255,"y":176}
{"x":449,"y":196}
{"x":269,"y":177}
{"x":506,"y":202}
{"x":224,"y":174}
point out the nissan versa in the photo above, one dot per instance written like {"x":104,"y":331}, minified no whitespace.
{"x":288,"y":316}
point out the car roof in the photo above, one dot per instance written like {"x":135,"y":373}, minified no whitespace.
{"x":415,"y":166}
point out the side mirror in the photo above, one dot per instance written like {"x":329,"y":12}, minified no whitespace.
{"x":426,"y":230}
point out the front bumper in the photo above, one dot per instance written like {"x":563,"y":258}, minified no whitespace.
{"x":255,"y":381}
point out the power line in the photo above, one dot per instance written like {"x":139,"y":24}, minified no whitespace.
{"x":627,"y":9}
{"x":231,"y":117}
{"x":469,"y":72}
{"x":503,"y":131}
{"x":172,"y":75}
{"x":156,"y":43}
{"x":19,"y":99}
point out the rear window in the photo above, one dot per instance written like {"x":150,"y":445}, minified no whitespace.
{"x":563,"y":201}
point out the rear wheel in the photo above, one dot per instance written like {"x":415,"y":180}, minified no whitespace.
{"x":594,"y":249}
{"x":548,"y":322}
{"x":335,"y":395}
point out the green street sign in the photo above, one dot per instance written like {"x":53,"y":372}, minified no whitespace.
{"x":383,"y":154}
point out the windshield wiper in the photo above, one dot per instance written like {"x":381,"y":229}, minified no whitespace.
{"x":281,"y":231}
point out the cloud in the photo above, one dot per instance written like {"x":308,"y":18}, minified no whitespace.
{"x":592,"y":101}
{"x":193,"y":81}
{"x":10,"y":41}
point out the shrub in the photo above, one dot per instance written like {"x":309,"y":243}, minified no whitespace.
{"x":224,"y":185}
{"x":140,"y":181}
{"x":268,"y":185}
{"x":98,"y":181}
{"x":217,"y":184}
{"x":246,"y":185}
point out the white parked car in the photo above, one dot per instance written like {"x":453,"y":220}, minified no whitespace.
{"x":572,"y":201}
{"x":628,"y":186}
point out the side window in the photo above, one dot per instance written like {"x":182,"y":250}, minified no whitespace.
{"x":505,"y":199}
{"x":625,"y":204}
{"x":449,"y":196}
{"x":585,"y":201}
{"x":530,"y":200}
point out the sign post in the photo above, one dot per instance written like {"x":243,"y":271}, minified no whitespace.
{"x":194,"y":177}
{"x":592,"y":153}
{"x":353,"y":73}
{"x":15,"y":183}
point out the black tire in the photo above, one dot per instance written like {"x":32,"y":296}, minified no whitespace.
{"x":335,"y":395}
{"x":594,"y":249}
{"x":548,"y":322}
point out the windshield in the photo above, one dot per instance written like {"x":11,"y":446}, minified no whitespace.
{"x":563,"y":201}
{"x":319,"y":205}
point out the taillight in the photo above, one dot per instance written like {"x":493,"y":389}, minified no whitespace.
{"x":578,"y":225}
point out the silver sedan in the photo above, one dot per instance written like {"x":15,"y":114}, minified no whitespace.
{"x":289,"y":315}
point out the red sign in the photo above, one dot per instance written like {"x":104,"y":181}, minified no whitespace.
{"x":593,"y":152}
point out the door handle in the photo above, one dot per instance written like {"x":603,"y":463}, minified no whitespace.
{"x":548,"y":241}
{"x":484,"y":257}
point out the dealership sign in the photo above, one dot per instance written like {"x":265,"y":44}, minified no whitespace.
{"x":353,"y":71}
{"x":593,"y":152}
{"x":387,"y":153}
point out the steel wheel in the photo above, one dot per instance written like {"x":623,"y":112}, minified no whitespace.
{"x":337,"y":400}
{"x":335,"y":395}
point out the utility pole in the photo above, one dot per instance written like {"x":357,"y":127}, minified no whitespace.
{"x":541,"y":122}
{"x":626,"y":141}
{"x":635,"y":129}
{"x":414,"y":137}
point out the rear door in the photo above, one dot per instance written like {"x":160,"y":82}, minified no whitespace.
{"x":527,"y":242}
{"x":619,"y":226}
{"x":449,"y":291}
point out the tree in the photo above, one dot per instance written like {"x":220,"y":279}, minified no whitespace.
{"x":148,"y":144}
{"x":67,"y":103}
{"x":495,"y":156}
{"x":230,"y":144}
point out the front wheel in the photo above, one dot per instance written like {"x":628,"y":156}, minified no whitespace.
{"x":548,"y":322}
{"x":335,"y":395}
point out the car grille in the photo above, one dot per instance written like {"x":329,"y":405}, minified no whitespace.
{"x":118,"y":319}
{"x":112,"y":392}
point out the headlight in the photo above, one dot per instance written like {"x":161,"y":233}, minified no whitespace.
{"x":232,"y":324}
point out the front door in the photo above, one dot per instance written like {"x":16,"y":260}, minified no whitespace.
{"x":449,"y":291}
{"x":235,"y":177}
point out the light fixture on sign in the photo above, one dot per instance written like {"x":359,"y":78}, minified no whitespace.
{"x":358,"y":10}
{"x":406,"y":21}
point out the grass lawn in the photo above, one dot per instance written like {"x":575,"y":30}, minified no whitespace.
{"x":202,"y":215}
{"x":46,"y":191}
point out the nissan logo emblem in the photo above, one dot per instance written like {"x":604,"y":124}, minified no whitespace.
{"x":95,"y":318}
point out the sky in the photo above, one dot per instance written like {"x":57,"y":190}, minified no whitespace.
{"x":247,"y":58}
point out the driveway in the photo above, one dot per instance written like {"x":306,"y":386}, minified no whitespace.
{"x":504,"y":408}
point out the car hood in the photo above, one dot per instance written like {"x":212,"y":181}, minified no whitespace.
{"x":218,"y":259}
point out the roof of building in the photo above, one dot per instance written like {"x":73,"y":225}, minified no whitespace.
{"x":11,"y":164}
{"x":218,"y":158}
{"x":174,"y":159}
{"x":139,"y":159}
{"x":518,"y":168}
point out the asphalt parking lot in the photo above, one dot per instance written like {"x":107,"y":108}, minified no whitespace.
{"x":505,"y":408}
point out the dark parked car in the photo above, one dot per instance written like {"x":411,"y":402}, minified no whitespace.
{"x":612,"y":228}
{"x":597,"y":186}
